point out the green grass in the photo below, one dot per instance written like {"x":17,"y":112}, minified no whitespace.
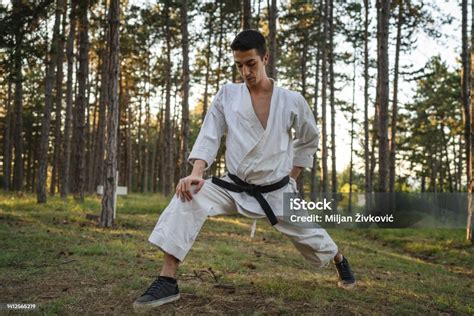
{"x":53,"y":256}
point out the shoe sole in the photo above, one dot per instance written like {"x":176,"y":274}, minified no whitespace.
{"x":346,"y":286}
{"x":153,"y":304}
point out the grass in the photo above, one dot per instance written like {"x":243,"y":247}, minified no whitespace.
{"x":51,"y":255}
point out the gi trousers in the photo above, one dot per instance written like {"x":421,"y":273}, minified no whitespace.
{"x":180,"y":223}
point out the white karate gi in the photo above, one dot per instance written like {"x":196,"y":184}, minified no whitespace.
{"x":256,"y":155}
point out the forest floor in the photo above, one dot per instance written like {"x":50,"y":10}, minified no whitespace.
{"x":53,"y":256}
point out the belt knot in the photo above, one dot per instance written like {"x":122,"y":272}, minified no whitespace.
{"x":251,"y":189}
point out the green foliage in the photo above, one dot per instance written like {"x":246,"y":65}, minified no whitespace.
{"x":432,"y":123}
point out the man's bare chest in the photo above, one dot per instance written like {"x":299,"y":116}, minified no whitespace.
{"x":261,"y":107}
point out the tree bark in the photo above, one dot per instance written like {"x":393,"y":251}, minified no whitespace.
{"x":103,"y":101}
{"x":7,"y":143}
{"x":247,"y":15}
{"x":272,"y":17}
{"x":331,"y":98}
{"x":185,"y":88}
{"x":108,"y":200}
{"x":393,"y":143}
{"x":208,"y":66}
{"x":128,"y":141}
{"x":314,"y":173}
{"x":58,"y":102}
{"x":168,"y":181}
{"x":18,"y":104}
{"x":142,"y":172}
{"x":65,"y":186}
{"x":351,"y":163}
{"x":367,"y":182}
{"x":469,"y":118}
{"x":383,"y":13}
{"x":81,"y":101}
{"x":465,"y":92}
{"x":48,"y":101}
{"x":303,"y":67}
{"x":324,"y":154}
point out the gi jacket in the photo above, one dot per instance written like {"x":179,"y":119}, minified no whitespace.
{"x":254,"y":154}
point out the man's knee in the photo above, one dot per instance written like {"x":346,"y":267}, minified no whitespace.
{"x":319,"y":249}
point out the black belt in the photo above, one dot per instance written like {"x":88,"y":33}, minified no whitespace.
{"x":254,"y":190}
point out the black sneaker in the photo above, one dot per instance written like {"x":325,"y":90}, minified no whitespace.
{"x":346,"y":276}
{"x":160,"y":292}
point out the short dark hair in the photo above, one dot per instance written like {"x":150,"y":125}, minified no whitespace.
{"x":249,"y":39}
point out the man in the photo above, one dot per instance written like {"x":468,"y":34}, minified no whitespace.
{"x":262,"y":161}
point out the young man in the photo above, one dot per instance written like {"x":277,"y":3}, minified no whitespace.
{"x":262,"y":160}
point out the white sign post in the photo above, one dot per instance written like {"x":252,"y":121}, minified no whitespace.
{"x":118,"y":191}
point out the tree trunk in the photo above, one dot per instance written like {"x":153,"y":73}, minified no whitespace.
{"x":351,"y":163}
{"x":447,"y":161}
{"x":7,"y":143}
{"x":65,"y":186}
{"x":272,"y":17}
{"x":301,"y":177}
{"x":29,"y":166}
{"x":247,"y":15}
{"x":185,"y":88}
{"x":81,"y":101}
{"x":367,"y":182}
{"x":324,"y":154}
{"x":88,"y":139}
{"x":331,"y":98}
{"x":257,"y":18}
{"x":216,"y":167}
{"x":103,"y":101}
{"x":469,"y":118}
{"x":168,"y":181}
{"x":465,"y":91}
{"x":128,"y":141}
{"x":108,"y":200}
{"x":208,"y":66}
{"x":314,"y":173}
{"x":58,"y":102}
{"x":93,"y":137}
{"x":18,"y":105}
{"x":393,"y":144}
{"x":73,"y":182}
{"x":383,"y":13}
{"x":48,"y":100}
{"x":141,"y":150}
{"x":146,"y":150}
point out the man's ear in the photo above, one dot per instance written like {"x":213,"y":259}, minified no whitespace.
{"x":266,"y":57}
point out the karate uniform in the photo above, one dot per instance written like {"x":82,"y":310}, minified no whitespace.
{"x":256,"y":155}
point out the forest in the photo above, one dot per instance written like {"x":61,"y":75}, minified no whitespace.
{"x":92,"y":87}
{"x":101,"y":102}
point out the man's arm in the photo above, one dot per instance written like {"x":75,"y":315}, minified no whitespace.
{"x":209,"y":138}
{"x":306,"y":134}
{"x":295,"y":172}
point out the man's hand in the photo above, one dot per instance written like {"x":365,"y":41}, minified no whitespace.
{"x":183,"y":189}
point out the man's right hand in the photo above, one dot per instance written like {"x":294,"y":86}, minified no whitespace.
{"x":183,"y":189}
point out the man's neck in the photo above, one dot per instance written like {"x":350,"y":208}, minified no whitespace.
{"x":266,"y":85}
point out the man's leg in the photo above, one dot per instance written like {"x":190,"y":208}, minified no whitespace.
{"x":170,"y":266}
{"x":319,"y":248}
{"x":175,"y":233}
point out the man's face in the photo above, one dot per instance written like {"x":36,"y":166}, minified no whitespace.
{"x":251,"y":66}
